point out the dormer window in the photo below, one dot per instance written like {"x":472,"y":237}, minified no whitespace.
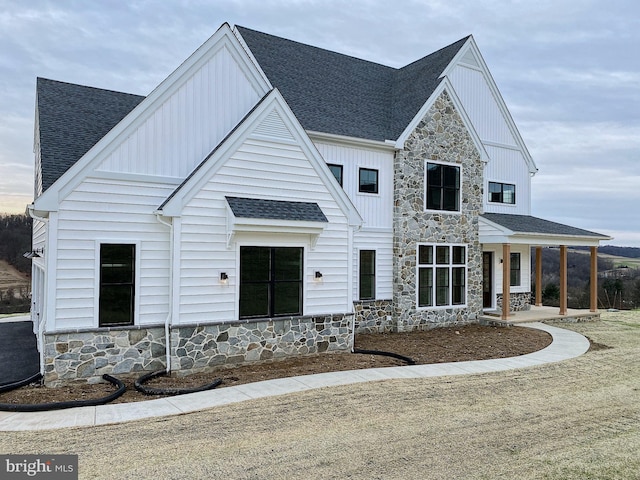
{"x":502,"y":193}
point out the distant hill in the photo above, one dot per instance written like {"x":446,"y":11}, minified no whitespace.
{"x":627,"y":252}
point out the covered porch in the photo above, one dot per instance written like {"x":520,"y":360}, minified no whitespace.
{"x":539,"y":314}
{"x":499,"y":232}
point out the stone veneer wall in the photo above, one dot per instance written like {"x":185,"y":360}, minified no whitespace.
{"x":440,"y":136}
{"x":374,"y":316}
{"x":87,"y":355}
{"x":519,"y":302}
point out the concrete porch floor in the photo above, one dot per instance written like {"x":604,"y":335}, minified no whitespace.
{"x":539,"y":314}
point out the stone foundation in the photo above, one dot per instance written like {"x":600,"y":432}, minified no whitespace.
{"x":519,"y":302}
{"x":87,"y":355}
{"x":374,"y":316}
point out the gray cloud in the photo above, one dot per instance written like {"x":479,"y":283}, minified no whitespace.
{"x":566,"y":70}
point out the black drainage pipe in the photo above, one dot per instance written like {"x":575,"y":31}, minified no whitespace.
{"x":139,"y":385}
{"x":7,"y":387}
{"x":407,"y":360}
{"x":43,"y":407}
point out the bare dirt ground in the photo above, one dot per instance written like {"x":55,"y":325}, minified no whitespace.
{"x":472,"y":342}
{"x":577,"y":419}
{"x":12,"y":278}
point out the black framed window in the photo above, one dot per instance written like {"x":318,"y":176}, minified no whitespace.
{"x":270,"y":281}
{"x":368,"y":180}
{"x":515,"y":270}
{"x":442,"y":187}
{"x":337,"y":171}
{"x":502,"y":193}
{"x":117,"y":284}
{"x":442,"y":271}
{"x":367,"y":274}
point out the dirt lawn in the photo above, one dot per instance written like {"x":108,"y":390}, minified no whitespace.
{"x":472,"y":342}
{"x":577,"y":419}
{"x":12,"y":278}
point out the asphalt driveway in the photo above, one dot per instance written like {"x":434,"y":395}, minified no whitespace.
{"x":18,"y":351}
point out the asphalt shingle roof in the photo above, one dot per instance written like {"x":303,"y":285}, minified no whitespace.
{"x":72,"y":118}
{"x":327,"y":91}
{"x":335,"y":93}
{"x":275,"y":209}
{"x":529,"y":224}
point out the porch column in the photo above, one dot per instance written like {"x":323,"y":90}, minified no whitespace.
{"x":538,"y":276}
{"x":563,"y":279}
{"x":594,"y":280}
{"x":506,"y":280}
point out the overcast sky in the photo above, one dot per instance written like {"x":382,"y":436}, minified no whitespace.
{"x":569,"y":72}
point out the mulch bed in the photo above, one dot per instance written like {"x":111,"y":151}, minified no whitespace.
{"x":454,"y":344}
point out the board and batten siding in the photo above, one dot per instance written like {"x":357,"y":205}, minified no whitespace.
{"x":101,"y":210}
{"x":507,"y":163}
{"x":508,"y":166}
{"x":267,"y":169}
{"x":376,"y":210}
{"x":179,"y":134}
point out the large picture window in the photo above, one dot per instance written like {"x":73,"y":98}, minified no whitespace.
{"x":367,"y":274}
{"x":270,"y":281}
{"x":442,"y":187}
{"x":117,"y":284}
{"x":502,"y":193}
{"x":442,"y":272}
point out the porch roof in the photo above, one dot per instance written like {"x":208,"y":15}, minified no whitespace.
{"x":525,"y":229}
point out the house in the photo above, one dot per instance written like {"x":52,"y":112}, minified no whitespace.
{"x":271,"y":198}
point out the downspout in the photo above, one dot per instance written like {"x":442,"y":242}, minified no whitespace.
{"x":167,"y":322}
{"x":43,"y":318}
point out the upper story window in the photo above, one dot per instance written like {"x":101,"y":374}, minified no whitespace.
{"x":502,"y":193}
{"x":368,"y":180}
{"x":337,"y":171}
{"x":442,"y":187}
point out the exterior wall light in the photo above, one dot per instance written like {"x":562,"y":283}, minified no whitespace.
{"x":318,"y":276}
{"x":224,"y":278}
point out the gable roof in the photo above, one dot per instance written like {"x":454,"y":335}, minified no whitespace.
{"x":344,"y":95}
{"x":72,"y":118}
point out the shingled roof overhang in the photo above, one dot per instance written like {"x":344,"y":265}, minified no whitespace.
{"x":525,"y":229}
{"x":253,"y":215}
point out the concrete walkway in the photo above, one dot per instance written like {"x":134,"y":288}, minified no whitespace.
{"x":566,"y":344}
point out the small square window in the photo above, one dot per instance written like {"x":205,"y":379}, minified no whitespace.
{"x":337,"y":171}
{"x":368,"y":180}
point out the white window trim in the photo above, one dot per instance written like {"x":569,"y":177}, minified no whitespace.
{"x":451,"y":265}
{"x":424,"y":189}
{"x":502,"y":204}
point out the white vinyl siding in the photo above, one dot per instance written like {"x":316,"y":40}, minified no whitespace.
{"x":188,"y":125}
{"x":382,"y":242}
{"x":257,"y":170}
{"x":376,"y":209}
{"x":118,"y":212}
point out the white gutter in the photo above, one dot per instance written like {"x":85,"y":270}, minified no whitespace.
{"x":167,"y":322}
{"x":43,"y":318}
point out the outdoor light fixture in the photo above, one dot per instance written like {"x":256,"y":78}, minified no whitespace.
{"x":318,"y":275}
{"x":223,"y":277}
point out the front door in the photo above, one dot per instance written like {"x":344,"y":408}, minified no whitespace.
{"x":487,"y":279}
